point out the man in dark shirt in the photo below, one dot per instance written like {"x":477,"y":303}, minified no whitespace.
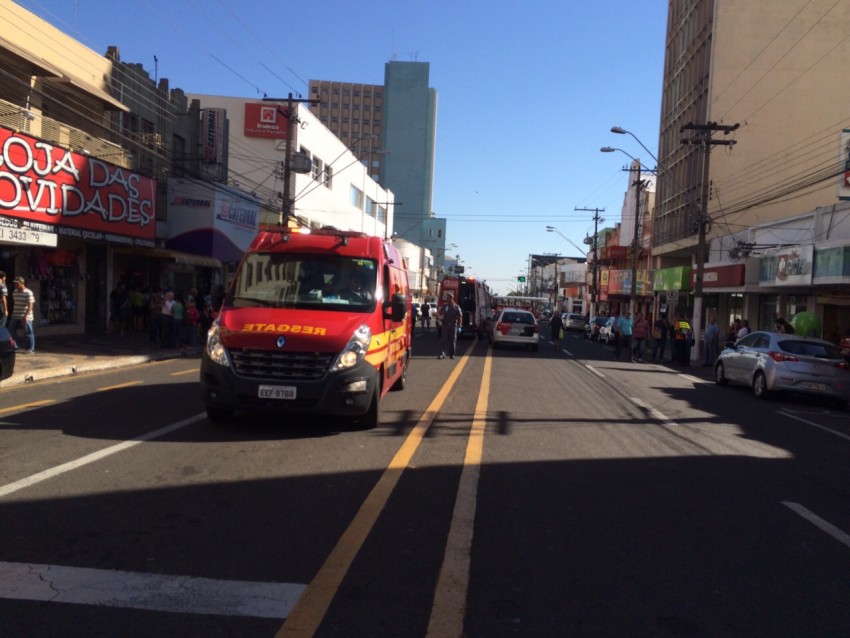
{"x":451,"y":317}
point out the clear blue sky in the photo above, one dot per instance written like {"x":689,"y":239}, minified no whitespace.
{"x":527,"y":92}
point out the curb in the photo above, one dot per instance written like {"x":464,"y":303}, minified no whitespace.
{"x":81,"y":366}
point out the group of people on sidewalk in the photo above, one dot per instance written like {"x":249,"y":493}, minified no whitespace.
{"x":172,"y":320}
{"x":638,"y":338}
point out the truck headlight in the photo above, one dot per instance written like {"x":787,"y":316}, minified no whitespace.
{"x":214,"y":348}
{"x":355,"y":350}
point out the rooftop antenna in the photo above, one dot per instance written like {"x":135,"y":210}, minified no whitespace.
{"x":155,"y":69}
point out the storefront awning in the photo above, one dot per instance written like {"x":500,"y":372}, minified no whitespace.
{"x":176,"y":256}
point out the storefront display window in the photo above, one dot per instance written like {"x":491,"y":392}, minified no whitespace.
{"x":57,"y":302}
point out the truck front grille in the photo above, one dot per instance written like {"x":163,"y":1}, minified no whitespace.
{"x":280,"y":366}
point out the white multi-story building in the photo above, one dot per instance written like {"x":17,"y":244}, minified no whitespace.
{"x":335,"y":189}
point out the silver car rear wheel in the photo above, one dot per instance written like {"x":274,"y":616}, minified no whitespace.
{"x":760,"y":386}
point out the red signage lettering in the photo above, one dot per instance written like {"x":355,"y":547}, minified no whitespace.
{"x":40,"y":182}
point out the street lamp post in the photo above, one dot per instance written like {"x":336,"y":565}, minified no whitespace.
{"x":552,"y":229}
{"x":636,"y":239}
{"x":702,"y":214}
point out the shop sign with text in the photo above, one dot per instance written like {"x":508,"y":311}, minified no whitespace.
{"x":787,"y":266}
{"x":49,"y":188}
{"x":721,"y":276}
{"x":265,"y":120}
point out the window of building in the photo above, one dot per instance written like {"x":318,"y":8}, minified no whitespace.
{"x":317,"y":168}
{"x":370,"y":207}
{"x":382,"y":215}
{"x":329,"y":176}
{"x":356,"y":197}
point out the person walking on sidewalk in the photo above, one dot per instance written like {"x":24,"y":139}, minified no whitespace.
{"x":23,"y":302}
{"x":4,"y":300}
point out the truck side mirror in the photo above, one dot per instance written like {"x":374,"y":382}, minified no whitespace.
{"x":396,"y":308}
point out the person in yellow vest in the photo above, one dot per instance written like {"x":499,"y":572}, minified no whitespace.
{"x":681,"y":339}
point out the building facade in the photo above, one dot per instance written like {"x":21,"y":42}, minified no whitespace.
{"x":392,"y":129}
{"x":751,"y":135}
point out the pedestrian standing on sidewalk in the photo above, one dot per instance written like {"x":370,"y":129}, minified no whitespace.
{"x":167,"y":318}
{"x":712,"y":341}
{"x":681,"y":336}
{"x":640,"y":333}
{"x":451,"y":317}
{"x":23,"y":302}
{"x":178,"y":312}
{"x":155,"y":317}
{"x":624,"y":334}
{"x":659,"y":337}
{"x":4,"y":300}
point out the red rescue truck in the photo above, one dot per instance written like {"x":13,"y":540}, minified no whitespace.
{"x":473,"y":297}
{"x":316,"y":322}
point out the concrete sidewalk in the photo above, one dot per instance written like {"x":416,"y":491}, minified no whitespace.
{"x":90,"y":352}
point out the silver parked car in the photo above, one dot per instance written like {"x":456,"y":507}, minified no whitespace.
{"x":573,"y":321}
{"x":774,"y":362}
{"x":515,"y":326}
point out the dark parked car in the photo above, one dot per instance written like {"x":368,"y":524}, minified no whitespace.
{"x":7,"y":354}
{"x":773,"y":362}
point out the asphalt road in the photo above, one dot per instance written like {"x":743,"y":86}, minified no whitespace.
{"x":506,"y":492}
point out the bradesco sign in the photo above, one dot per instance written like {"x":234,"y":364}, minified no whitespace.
{"x":44,"y":185}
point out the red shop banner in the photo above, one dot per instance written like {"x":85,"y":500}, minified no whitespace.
{"x":46,"y":184}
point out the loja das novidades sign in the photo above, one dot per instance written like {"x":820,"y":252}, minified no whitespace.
{"x":42,"y":184}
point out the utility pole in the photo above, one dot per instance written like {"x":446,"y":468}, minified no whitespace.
{"x":291,"y":122}
{"x":594,"y":294}
{"x":702,"y":138}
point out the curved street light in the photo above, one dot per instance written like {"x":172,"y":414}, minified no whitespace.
{"x":621,"y":131}
{"x":702,"y":211}
{"x":636,"y":239}
{"x":552,"y":229}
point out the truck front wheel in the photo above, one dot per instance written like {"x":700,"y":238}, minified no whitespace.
{"x":219,"y":415}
